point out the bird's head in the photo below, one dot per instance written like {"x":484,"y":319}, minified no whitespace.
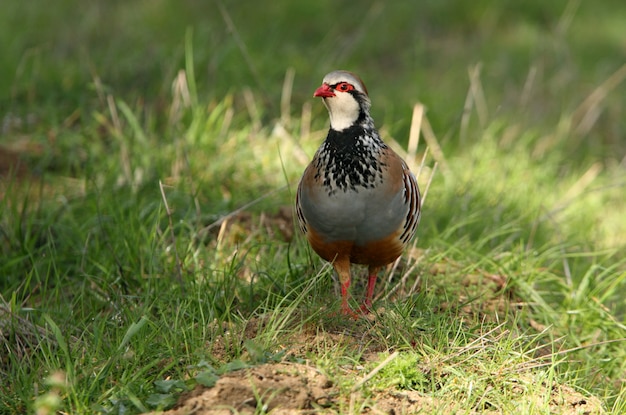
{"x":346,"y":99}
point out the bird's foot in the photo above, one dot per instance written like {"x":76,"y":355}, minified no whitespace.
{"x":362,"y":311}
{"x":346,"y":310}
{"x":366,"y":308}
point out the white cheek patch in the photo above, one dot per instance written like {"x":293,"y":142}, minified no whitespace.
{"x":343,"y":110}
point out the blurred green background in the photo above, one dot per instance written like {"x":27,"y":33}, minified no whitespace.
{"x":405,"y":51}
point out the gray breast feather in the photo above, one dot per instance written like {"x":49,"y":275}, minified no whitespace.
{"x":360,"y":216}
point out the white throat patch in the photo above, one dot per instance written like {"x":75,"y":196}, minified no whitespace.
{"x":343,"y":110}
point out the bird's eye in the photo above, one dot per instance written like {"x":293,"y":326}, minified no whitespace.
{"x":344,"y":87}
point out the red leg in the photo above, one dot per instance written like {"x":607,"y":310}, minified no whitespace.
{"x":345,"y":307}
{"x":371,"y":283}
{"x":342,"y":266}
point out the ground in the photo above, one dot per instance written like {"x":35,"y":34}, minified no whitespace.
{"x":295,"y":384}
{"x":300,"y":388}
{"x":293,"y":388}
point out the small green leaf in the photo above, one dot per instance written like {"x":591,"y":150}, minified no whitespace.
{"x":166,"y":386}
{"x":204,"y":363}
{"x":255,"y":352}
{"x":207,"y":378}
{"x":232,"y":366}
{"x":161,"y":400}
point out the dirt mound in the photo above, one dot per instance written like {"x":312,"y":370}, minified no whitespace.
{"x":280,"y":388}
{"x":285,"y":388}
{"x":291,"y":388}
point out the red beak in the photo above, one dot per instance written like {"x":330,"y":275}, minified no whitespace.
{"x":324,"y":91}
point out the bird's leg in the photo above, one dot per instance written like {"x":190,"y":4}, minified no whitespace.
{"x":371,"y":283}
{"x":342,"y":267}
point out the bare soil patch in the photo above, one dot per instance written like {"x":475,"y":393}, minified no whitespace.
{"x":292,"y":388}
{"x":301,"y":388}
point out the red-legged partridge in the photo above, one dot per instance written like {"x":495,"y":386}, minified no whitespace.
{"x":357,"y":201}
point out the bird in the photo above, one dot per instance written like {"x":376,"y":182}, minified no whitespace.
{"x":357,"y":201}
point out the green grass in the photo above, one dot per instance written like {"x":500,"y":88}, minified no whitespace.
{"x":122,"y":284}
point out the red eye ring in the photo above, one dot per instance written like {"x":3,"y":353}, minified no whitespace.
{"x":344,"y":87}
